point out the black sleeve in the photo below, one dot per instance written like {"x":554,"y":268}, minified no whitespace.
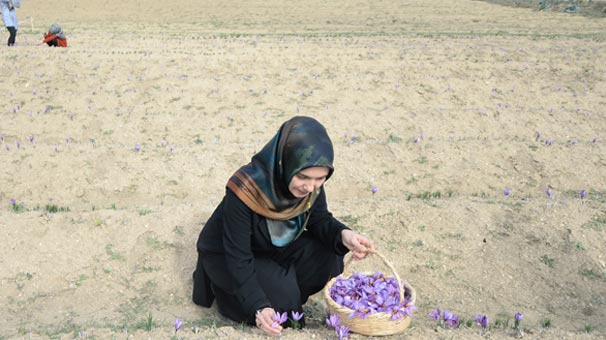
{"x":323,"y":226}
{"x":237,"y":232}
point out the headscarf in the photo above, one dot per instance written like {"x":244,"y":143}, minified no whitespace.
{"x":57,"y":30}
{"x":301,"y":142}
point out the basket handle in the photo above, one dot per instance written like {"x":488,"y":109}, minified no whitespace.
{"x":387,"y":263}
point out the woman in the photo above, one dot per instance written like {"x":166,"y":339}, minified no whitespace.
{"x":9,"y":17}
{"x":271,"y":242}
{"x":55,"y":37}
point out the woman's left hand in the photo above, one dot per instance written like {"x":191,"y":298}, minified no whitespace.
{"x":357,"y":243}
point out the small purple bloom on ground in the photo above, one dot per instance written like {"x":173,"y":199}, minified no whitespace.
{"x":583,"y":193}
{"x":342,"y":332}
{"x":13,"y":201}
{"x":374,"y":189}
{"x":178,"y":324}
{"x":435,"y":314}
{"x":482,"y":320}
{"x":137,"y":147}
{"x":332,"y":320}
{"x":31,"y":139}
{"x":297,"y":316}
{"x":451,"y":319}
{"x":506,"y":192}
{"x":548,"y":192}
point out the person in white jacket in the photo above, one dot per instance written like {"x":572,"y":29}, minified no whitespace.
{"x":9,"y":16}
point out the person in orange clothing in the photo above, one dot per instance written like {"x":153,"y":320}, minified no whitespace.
{"x":55,"y":37}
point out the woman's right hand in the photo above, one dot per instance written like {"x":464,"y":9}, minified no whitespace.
{"x":264,"y":319}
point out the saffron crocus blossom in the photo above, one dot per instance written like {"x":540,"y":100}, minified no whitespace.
{"x":506,"y":192}
{"x":374,"y":189}
{"x":450,"y":319}
{"x":583,"y":193}
{"x":517,"y":319}
{"x":279,"y":319}
{"x":137,"y":147}
{"x":548,"y":192}
{"x":594,"y":140}
{"x":31,"y":139}
{"x":332,"y":320}
{"x":296,"y":315}
{"x":342,"y":332}
{"x":482,"y":320}
{"x":178,"y":324}
{"x":13,"y":201}
{"x":435,"y":314}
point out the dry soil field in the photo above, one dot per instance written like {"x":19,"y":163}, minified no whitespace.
{"x":442,"y":105}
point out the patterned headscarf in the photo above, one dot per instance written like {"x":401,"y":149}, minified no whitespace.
{"x":262,"y":185}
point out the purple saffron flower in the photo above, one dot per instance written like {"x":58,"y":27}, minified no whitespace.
{"x":171,"y":148}
{"x":178,"y":324}
{"x":332,"y":320}
{"x":595,"y":139}
{"x":517,"y":319}
{"x":137,"y":147}
{"x":549,"y":142}
{"x":342,"y":332}
{"x":66,"y":139}
{"x":56,"y":148}
{"x":374,"y":189}
{"x":538,"y":136}
{"x":548,"y":192}
{"x":506,"y":192}
{"x":451,"y":319}
{"x":482,"y":320}
{"x":13,"y":201}
{"x":435,"y":314}
{"x":18,"y":144}
{"x":583,"y":193}
{"x":279,"y":319}
{"x":574,"y":142}
{"x":297,"y":316}
{"x":415,"y":140}
{"x":31,"y":139}
{"x":7,"y":147}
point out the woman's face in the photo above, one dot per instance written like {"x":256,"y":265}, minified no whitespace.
{"x":307,"y":180}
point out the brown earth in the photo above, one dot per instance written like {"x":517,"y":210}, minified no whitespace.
{"x":445,"y":98}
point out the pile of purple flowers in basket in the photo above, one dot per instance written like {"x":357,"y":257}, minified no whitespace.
{"x":369,"y":294}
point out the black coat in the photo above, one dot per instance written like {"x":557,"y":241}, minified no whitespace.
{"x":240,"y":235}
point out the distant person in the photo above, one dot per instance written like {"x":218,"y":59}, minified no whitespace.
{"x":9,"y":16}
{"x":55,"y":37}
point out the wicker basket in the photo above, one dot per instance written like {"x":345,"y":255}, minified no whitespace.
{"x":376,"y":323}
